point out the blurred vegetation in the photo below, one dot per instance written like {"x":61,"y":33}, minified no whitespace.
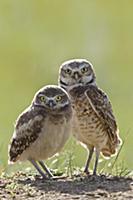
{"x":37,"y":36}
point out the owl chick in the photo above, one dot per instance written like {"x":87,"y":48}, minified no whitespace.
{"x":94,"y":122}
{"x":42,"y":129}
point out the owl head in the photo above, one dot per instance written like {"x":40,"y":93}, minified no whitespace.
{"x":52,"y":98}
{"x":76,"y":72}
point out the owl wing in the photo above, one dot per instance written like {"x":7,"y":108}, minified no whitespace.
{"x":27,"y":130}
{"x":102,"y":107}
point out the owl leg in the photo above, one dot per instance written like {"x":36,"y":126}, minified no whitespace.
{"x":46,"y":169}
{"x":91,"y":150}
{"x":38,"y":168}
{"x":96,"y":161}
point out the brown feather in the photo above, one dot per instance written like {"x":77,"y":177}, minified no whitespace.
{"x":27,"y":130}
{"x":102,"y":107}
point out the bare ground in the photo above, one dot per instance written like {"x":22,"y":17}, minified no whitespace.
{"x":26,"y":186}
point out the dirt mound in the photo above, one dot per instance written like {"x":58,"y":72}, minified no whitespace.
{"x":26,"y":186}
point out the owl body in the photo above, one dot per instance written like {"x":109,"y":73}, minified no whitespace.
{"x":43,"y":128}
{"x":55,"y":131}
{"x":87,"y":127}
{"x":94,"y":123}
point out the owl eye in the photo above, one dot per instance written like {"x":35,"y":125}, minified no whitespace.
{"x":68,"y":71}
{"x":42,"y":98}
{"x":84,"y":70}
{"x":58,"y":98}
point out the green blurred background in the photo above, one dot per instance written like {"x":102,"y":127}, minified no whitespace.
{"x":37,"y":36}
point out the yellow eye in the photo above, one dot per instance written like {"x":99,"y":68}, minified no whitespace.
{"x":42,"y":98}
{"x":58,"y":98}
{"x":84,"y":70}
{"x":68,"y":71}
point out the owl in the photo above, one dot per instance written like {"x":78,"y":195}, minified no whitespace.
{"x":94,"y":123}
{"x":42,"y":129}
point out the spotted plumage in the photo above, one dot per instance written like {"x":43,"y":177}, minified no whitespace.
{"x":94,"y":123}
{"x":43,"y":128}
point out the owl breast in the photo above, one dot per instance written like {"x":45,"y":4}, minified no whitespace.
{"x":87,"y":127}
{"x":52,"y":138}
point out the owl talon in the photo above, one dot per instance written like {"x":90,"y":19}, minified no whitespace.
{"x":86,"y":171}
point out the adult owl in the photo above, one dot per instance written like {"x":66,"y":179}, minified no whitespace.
{"x":94,"y":123}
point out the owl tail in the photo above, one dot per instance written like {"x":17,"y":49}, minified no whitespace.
{"x":111,"y":147}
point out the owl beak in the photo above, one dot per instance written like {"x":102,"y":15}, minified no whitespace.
{"x":76,"y":75}
{"x":51,"y":103}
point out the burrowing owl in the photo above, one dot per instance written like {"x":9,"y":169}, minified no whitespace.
{"x":94,"y":121}
{"x":42,"y":129}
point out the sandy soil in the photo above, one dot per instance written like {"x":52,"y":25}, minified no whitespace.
{"x":26,"y":186}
